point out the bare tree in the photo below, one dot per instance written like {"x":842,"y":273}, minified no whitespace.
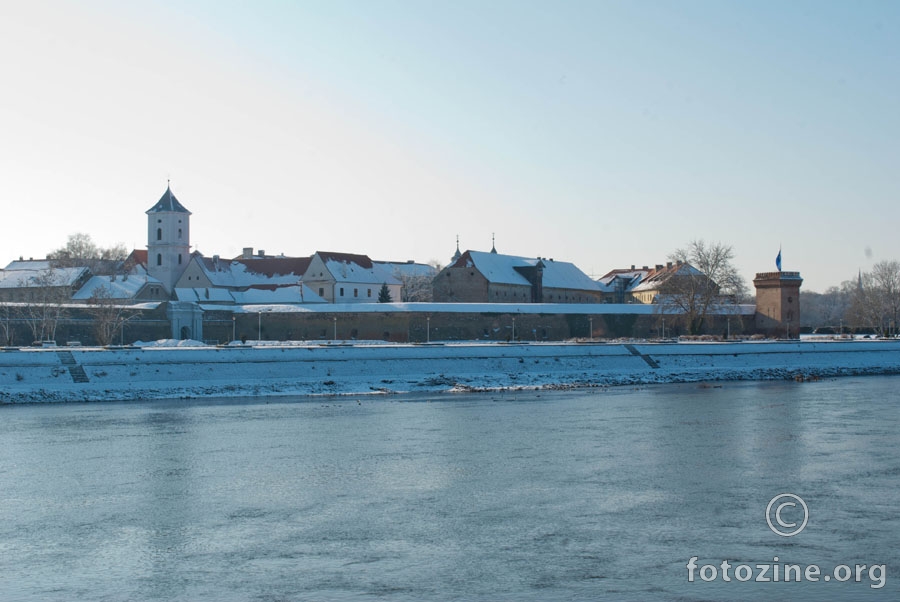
{"x":704,"y":278}
{"x":876,"y":303}
{"x":110,"y":316}
{"x":46,"y":306}
{"x":6,"y":317}
{"x":80,"y":250}
{"x":417,"y":287}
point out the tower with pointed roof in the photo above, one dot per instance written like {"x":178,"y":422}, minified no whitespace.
{"x":456,"y":255}
{"x":168,"y":239}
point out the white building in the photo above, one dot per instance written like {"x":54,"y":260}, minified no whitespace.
{"x":168,"y":240}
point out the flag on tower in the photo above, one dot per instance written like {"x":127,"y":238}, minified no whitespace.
{"x":778,"y":260}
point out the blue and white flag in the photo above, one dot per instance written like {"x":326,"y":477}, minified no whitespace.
{"x":778,"y":260}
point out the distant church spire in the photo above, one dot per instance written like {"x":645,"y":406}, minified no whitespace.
{"x":493,"y":245}
{"x":457,"y":255}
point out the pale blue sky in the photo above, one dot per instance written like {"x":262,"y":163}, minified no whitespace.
{"x":602,"y":133}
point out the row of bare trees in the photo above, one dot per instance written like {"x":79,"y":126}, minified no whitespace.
{"x":876,"y":301}
{"x":50,"y":303}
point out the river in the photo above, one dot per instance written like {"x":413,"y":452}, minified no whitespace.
{"x":572,"y":495}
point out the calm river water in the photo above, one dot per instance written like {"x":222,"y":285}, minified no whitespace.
{"x":588,"y":495}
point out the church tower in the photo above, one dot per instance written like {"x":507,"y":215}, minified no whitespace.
{"x":168,"y":240}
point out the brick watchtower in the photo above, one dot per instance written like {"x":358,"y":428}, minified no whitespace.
{"x":778,"y":304}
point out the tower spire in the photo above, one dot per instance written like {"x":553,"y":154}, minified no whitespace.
{"x":493,"y":245}
{"x":457,"y":255}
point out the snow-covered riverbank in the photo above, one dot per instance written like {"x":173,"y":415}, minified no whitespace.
{"x":93,"y":374}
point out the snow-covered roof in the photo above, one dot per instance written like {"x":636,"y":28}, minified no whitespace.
{"x":659,"y":275}
{"x":18,"y":275}
{"x":348,"y":267}
{"x":502,"y":269}
{"x":119,"y":288}
{"x":28,"y":264}
{"x":408,"y":269}
{"x":253,"y":296}
{"x":244,"y":273}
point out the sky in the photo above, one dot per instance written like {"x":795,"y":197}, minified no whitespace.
{"x":604,"y":133}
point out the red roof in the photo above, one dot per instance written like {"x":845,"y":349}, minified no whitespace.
{"x":362,"y":261}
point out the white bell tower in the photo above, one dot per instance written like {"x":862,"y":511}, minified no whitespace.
{"x":168,"y":240}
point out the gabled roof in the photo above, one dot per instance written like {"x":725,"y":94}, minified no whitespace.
{"x":409,"y":269}
{"x":26,"y":274}
{"x":506,"y":269}
{"x":119,"y":288}
{"x":263,"y":295}
{"x":660,"y":274}
{"x":254,"y":272}
{"x":351,"y":268}
{"x":362,"y":261}
{"x":138,"y":257}
{"x":168,"y":203}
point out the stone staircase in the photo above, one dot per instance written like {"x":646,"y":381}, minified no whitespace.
{"x":75,"y":371}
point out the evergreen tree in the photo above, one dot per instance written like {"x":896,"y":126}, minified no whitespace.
{"x":384,"y":295}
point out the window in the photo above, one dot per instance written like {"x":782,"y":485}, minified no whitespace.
{"x":159,"y":234}
{"x":369,"y":293}
{"x":356,"y":292}
{"x":179,"y":259}
{"x":342,"y":292}
{"x":321,"y":292}
{"x":159,"y":259}
{"x":179,"y":232}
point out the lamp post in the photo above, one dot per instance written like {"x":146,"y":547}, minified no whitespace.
{"x":335,"y":327}
{"x":664,"y":328}
{"x":233,"y":326}
{"x":591,"y":328}
{"x":427,"y":329}
{"x":259,"y":326}
{"x":514,"y":330}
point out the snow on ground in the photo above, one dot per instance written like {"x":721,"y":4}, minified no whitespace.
{"x":187,"y":369}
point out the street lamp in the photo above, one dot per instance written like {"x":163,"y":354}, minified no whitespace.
{"x":259,"y":326}
{"x":335,"y":327}
{"x":591,"y":328}
{"x":427,"y":329}
{"x":514,"y":330}
{"x":233,"y":326}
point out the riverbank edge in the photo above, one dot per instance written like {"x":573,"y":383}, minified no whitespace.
{"x":49,"y":376}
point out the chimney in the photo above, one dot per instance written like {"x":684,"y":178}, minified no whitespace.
{"x":669,"y":265}
{"x":632,"y":266}
{"x":261,"y":253}
{"x":659,"y":266}
{"x":248,"y":253}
